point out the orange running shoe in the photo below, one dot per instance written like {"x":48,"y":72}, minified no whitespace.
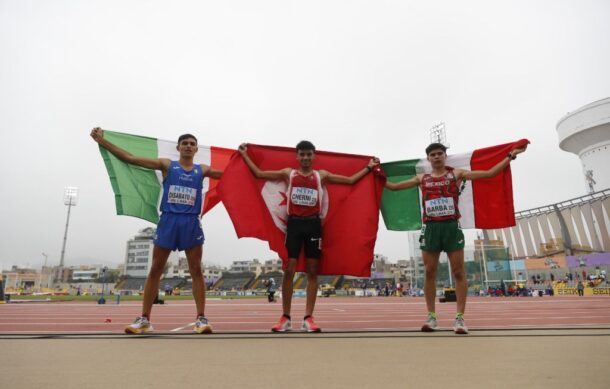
{"x":310,"y":326}
{"x":282,"y":325}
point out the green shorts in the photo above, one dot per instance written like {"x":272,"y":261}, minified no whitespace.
{"x":443,"y":235}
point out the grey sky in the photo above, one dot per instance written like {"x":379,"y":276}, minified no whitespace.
{"x":365,"y":77}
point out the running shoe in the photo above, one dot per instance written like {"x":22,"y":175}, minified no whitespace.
{"x":202,"y":326}
{"x":139,"y":326}
{"x":459,"y":327}
{"x":430,"y":325}
{"x":310,"y":326}
{"x":282,"y":325}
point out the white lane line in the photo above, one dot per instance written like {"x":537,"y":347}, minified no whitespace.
{"x":183,"y":327}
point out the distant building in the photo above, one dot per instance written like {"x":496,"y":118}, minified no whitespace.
{"x":253,"y":266}
{"x":211,"y":274}
{"x":23,"y":279}
{"x":138,"y":253}
{"x":381,"y":268}
{"x":586,"y":133}
{"x":272,"y":265}
{"x":86,"y":273}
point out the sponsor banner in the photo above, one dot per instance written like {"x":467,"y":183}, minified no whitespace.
{"x":502,"y":265}
{"x":588,"y":291}
{"x":545,"y":263}
{"x":589,"y":260}
{"x":519,"y":264}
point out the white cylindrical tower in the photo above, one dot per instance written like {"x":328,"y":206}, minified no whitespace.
{"x":586,"y":133}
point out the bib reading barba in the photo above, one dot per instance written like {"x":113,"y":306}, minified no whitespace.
{"x":306,"y":197}
{"x":181,"y":195}
{"x":442,"y":206}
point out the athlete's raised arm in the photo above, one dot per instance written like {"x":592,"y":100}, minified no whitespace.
{"x":476,"y":174}
{"x":327,"y":176}
{"x":275,"y":175}
{"x":209,"y":172}
{"x":406,"y":184}
{"x":150,"y":163}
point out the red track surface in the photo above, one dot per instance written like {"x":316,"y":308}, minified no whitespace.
{"x":332,"y":314}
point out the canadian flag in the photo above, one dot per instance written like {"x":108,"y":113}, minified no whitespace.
{"x":350,"y":213}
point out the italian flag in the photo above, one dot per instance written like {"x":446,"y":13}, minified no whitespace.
{"x":484,"y":203}
{"x":137,"y":191}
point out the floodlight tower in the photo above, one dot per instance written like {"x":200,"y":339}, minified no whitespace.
{"x":586,"y":133}
{"x":438,"y":135}
{"x":70,"y":199}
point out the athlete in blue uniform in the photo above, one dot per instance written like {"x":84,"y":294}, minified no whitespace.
{"x":179,"y":227}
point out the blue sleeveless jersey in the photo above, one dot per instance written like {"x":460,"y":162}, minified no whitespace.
{"x":182,"y":190}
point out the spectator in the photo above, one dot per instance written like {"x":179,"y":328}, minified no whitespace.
{"x":581,"y":288}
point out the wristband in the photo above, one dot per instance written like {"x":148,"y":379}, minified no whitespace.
{"x":511,"y":156}
{"x":369,"y":168}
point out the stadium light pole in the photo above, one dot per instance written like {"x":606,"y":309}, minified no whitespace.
{"x":46,"y":256}
{"x":484,"y":260}
{"x":70,"y":199}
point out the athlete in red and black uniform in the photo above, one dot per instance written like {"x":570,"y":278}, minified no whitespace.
{"x":440,"y":196}
{"x":441,"y":229}
{"x":304,"y":229}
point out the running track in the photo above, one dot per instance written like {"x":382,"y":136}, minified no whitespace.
{"x":332,"y":314}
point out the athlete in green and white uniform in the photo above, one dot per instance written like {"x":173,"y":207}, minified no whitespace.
{"x":441,"y":229}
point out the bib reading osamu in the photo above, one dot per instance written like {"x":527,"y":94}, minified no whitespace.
{"x":181,"y":195}
{"x":442,"y":206}
{"x":306,"y":197}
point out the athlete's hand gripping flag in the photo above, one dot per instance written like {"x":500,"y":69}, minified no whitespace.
{"x":350,"y":213}
{"x":484,"y":203}
{"x":137,"y":190}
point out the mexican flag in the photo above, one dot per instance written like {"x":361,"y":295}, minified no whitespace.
{"x":349,"y":213}
{"x":137,"y":191}
{"x":484,"y":203}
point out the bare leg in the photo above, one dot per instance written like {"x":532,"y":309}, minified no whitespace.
{"x":431,"y":265}
{"x":312,"y":285}
{"x":193,"y":256}
{"x":461,"y":284}
{"x":287,"y":284}
{"x":151,"y":287}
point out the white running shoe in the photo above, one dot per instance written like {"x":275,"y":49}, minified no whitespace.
{"x":202,"y":326}
{"x":139,"y":326}
{"x":459,"y":327}
{"x":430,"y":325}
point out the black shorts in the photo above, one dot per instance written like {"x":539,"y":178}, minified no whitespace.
{"x":305,"y":232}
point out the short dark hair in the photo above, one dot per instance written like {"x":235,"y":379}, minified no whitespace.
{"x":305,"y":145}
{"x":186,"y":136}
{"x":435,"y":146}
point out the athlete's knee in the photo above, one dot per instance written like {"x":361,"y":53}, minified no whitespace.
{"x":431,"y":272}
{"x":291,"y":267}
{"x":156,"y":269}
{"x":196,"y":274}
{"x":459,"y":274}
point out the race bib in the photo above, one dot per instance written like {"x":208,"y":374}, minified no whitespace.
{"x":181,"y":195}
{"x":306,"y":197}
{"x":440,"y":207}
